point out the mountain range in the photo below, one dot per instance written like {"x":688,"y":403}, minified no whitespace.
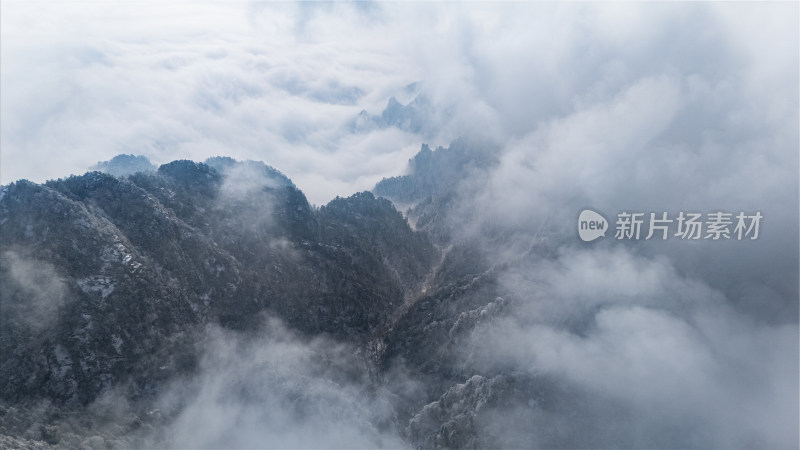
{"x":209,"y":305}
{"x":111,"y":278}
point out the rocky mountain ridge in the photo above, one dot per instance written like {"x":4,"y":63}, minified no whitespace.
{"x":136,"y":259}
{"x":110,"y":285}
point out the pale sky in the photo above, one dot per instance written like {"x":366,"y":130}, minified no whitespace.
{"x":283,"y":82}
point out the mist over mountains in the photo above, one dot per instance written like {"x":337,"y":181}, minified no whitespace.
{"x":208,"y":304}
{"x":403,"y":269}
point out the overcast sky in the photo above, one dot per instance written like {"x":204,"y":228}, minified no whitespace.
{"x":283,"y":83}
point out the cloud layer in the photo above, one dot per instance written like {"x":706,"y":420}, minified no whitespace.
{"x":282,"y":82}
{"x":276,"y":390}
{"x":636,"y":341}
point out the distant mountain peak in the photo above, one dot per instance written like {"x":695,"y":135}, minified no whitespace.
{"x":123,"y":164}
{"x":437,"y":172}
{"x":416,"y":117}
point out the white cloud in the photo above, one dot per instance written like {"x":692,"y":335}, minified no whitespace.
{"x":278,"y":82}
{"x":627,"y":331}
{"x":189,"y":81}
{"x":276,"y":391}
